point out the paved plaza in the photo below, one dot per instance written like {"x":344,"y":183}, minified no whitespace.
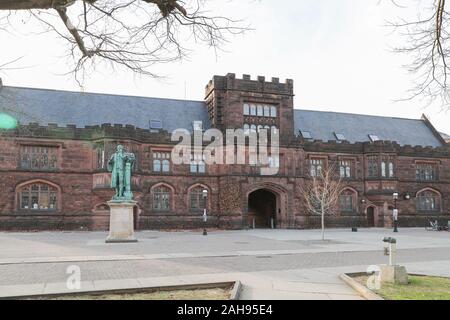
{"x":271,"y":264}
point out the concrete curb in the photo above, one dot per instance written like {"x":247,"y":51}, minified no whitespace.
{"x":236,"y":291}
{"x":234,"y":294}
{"x":362,"y":291}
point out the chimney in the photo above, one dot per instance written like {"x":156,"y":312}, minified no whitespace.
{"x":1,"y":84}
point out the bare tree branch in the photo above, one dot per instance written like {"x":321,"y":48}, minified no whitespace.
{"x":132,"y":34}
{"x":427,"y":44}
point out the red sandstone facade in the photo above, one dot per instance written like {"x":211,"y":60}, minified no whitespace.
{"x":74,"y":189}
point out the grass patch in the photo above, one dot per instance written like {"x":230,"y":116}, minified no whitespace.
{"x":200,"y":294}
{"x":419,"y":288}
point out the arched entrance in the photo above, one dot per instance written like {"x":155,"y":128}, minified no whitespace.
{"x":371,"y":217}
{"x":262,"y":209}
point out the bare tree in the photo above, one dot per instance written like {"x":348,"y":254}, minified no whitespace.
{"x":134,"y":34}
{"x":427,"y":39}
{"x":321,"y":193}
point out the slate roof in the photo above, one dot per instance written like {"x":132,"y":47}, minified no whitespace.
{"x":45,"y":106}
{"x":85,"y":109}
{"x":356,"y":128}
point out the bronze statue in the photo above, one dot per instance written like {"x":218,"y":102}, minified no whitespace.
{"x":121,"y":164}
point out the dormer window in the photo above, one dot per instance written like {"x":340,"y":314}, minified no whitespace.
{"x":156,"y":124}
{"x":339,"y":136}
{"x":373,"y":137}
{"x":306,"y":135}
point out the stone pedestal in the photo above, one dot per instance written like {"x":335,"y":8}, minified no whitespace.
{"x":394,"y":274}
{"x":121,"y":225}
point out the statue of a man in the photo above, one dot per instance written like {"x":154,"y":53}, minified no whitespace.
{"x":120,"y":165}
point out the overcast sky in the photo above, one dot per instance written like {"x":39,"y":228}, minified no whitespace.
{"x":337,"y":51}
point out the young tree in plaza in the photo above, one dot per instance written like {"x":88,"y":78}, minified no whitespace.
{"x":321,"y":193}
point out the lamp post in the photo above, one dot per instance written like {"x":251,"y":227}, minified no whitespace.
{"x":395,"y":212}
{"x":205,"y":214}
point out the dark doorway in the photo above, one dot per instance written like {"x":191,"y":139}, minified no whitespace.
{"x":262,"y":208}
{"x":371,"y":217}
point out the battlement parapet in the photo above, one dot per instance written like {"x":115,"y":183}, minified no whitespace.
{"x":246,"y":83}
{"x":96,"y":132}
{"x":334,"y":146}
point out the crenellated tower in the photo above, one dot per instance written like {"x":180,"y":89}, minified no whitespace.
{"x":245,"y":103}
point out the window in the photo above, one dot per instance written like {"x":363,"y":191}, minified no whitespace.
{"x":387,"y":167}
{"x":373,"y":137}
{"x":38,"y":158}
{"x":161,"y":162}
{"x":339,"y":136}
{"x":161,"y":199}
{"x":274,"y":162}
{"x":426,"y":172}
{"x":198,"y":165}
{"x":372,"y":166}
{"x":316,"y":167}
{"x":100,"y":150}
{"x":197,"y":125}
{"x":345,"y":169}
{"x":346,"y":203}
{"x":246,"y":129}
{"x":260,"y":111}
{"x":306,"y":135}
{"x":197,"y":199}
{"x":428,"y":201}
{"x":273,"y":112}
{"x":38,"y":196}
{"x":246,"y":109}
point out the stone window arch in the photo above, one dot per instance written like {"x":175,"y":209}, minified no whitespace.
{"x":38,"y":195}
{"x":428,"y":200}
{"x":162,"y":198}
{"x":348,"y":200}
{"x":197,"y":200}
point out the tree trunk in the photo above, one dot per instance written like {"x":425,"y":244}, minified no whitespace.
{"x":323,"y":225}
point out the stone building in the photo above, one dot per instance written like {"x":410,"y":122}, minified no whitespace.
{"x":53,"y":165}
